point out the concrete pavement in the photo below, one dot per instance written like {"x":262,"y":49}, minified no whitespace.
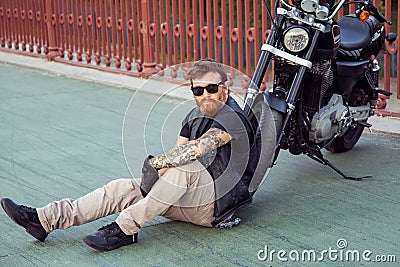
{"x":61,"y":137}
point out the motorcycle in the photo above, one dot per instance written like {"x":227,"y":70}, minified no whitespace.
{"x":325,"y":81}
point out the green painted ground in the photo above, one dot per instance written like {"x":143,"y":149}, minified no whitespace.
{"x":62,"y":138}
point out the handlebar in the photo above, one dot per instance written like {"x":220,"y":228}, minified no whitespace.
{"x":368,"y":6}
{"x":379,"y":16}
{"x":338,"y":6}
{"x":363,"y":5}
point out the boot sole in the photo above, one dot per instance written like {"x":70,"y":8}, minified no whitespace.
{"x":125,"y":242}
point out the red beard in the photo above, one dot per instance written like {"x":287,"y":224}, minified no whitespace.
{"x":209,"y":107}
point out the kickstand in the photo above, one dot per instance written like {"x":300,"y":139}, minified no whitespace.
{"x":317,"y":156}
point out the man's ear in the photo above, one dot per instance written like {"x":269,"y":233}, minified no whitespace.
{"x":226,"y":84}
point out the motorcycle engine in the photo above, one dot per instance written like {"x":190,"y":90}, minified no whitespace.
{"x":327,"y":112}
{"x":317,"y":91}
{"x":329,"y":120}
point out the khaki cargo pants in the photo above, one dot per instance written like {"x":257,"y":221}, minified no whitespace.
{"x":184,"y":193}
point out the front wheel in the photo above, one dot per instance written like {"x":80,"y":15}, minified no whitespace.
{"x":347,"y":141}
{"x":267,"y":124}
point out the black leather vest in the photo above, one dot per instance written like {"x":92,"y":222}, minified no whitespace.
{"x":227,"y":201}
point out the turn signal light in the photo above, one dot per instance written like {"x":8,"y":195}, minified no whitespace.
{"x":363,"y":16}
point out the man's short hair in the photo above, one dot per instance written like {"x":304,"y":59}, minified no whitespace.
{"x":204,"y":66}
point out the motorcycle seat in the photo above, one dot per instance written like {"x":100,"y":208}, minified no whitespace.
{"x":354,"y":34}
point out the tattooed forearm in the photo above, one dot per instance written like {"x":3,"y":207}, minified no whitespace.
{"x":177,"y":156}
{"x":191,"y":150}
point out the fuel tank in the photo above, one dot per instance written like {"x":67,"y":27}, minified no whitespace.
{"x":328,"y":43}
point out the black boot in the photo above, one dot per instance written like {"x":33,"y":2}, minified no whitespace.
{"x":109,"y":237}
{"x":25,"y":216}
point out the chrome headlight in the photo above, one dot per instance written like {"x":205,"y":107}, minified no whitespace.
{"x":296,"y":39}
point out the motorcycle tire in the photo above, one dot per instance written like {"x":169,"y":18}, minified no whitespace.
{"x":347,"y":141}
{"x":267,"y":123}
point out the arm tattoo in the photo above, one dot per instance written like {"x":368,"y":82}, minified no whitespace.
{"x":191,"y":150}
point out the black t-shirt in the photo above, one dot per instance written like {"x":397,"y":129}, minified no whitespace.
{"x":229,"y":163}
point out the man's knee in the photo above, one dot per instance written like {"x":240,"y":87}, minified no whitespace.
{"x":118,"y":188}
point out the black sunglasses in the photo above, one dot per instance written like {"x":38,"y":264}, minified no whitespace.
{"x":211,"y":88}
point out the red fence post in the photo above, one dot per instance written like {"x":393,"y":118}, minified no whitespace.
{"x":398,"y":52}
{"x":386,"y":57}
{"x":149,"y":63}
{"x":51,"y":35}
